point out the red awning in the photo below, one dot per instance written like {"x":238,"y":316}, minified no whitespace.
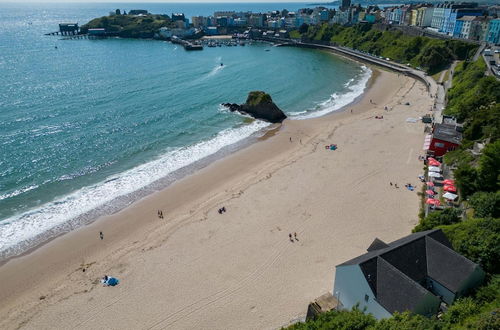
{"x":430,"y":192}
{"x":433,"y":162}
{"x":449,"y":182}
{"x":430,"y":184}
{"x":432,"y":201}
{"x":450,"y":188}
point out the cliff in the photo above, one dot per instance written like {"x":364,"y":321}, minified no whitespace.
{"x":260,"y":106}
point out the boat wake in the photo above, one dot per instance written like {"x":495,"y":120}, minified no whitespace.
{"x":218,"y":67}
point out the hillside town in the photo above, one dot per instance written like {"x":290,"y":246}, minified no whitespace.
{"x":461,"y":20}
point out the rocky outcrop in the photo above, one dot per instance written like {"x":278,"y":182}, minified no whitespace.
{"x":260,"y":106}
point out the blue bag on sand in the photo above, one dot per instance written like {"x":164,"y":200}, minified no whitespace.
{"x":112,"y":281}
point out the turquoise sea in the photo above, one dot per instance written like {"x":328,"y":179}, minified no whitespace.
{"x":92,"y":125}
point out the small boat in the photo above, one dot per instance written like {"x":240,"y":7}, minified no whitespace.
{"x":222,"y":64}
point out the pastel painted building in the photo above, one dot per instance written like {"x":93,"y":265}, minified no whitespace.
{"x":466,"y":26}
{"x":457,"y":30}
{"x":493,"y":33}
{"x":437,"y":17}
{"x":415,"y":273}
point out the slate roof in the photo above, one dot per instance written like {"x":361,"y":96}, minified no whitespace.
{"x":447,"y":133}
{"x":397,"y":271}
{"x":446,"y":266}
{"x":397,"y":298}
{"x":377,"y":244}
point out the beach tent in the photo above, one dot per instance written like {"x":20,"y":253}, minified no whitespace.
{"x":430,"y":192}
{"x":434,"y":175}
{"x":430,"y":184}
{"x":450,"y":196}
{"x":449,"y":182}
{"x":112,"y":281}
{"x":434,"y":169}
{"x":432,"y":162}
{"x":432,"y":201}
{"x":450,"y":188}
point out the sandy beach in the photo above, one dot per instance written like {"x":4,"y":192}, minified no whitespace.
{"x":198,"y":269}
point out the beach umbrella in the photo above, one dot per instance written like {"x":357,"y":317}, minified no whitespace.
{"x":434,"y":175}
{"x":433,"y":162}
{"x":449,"y":182}
{"x":450,"y":196}
{"x":434,"y":169}
{"x":430,"y":184}
{"x":450,"y":188}
{"x":430,"y":192}
{"x":432,"y":201}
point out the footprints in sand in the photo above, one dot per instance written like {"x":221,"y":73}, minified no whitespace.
{"x":84,"y":266}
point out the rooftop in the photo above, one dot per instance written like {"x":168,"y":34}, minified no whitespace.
{"x":397,"y":272}
{"x":448,"y":133}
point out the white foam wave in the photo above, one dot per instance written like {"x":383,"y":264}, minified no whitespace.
{"x":24,"y":230}
{"x":17,"y":192}
{"x":355,"y":87}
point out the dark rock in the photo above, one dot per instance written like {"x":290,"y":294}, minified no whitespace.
{"x":260,"y":106}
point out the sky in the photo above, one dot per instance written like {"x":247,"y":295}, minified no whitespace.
{"x":166,"y":1}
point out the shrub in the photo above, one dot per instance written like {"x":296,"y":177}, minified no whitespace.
{"x":460,"y":311}
{"x":346,"y":320}
{"x":477,"y":240}
{"x":446,"y":217}
{"x":486,"y":204}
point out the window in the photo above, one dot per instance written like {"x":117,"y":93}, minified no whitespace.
{"x":366,"y":297}
{"x":439,"y":145}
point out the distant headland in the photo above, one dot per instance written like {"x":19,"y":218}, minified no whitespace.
{"x":134,"y":24}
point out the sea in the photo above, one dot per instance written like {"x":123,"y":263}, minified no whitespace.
{"x":87,"y":127}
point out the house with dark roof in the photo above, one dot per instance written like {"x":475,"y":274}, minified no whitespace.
{"x":445,"y":137}
{"x":417,"y":273}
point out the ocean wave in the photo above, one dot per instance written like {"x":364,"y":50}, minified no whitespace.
{"x":354,"y":88}
{"x":23,"y":231}
{"x":18,"y":192}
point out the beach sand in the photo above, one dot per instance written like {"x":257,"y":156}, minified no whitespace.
{"x":198,"y":269}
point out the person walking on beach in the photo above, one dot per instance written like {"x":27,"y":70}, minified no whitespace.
{"x":290,"y":139}
{"x":290,"y":236}
{"x":295,"y":236}
{"x":101,"y":235}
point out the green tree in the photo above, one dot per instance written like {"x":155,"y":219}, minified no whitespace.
{"x":477,"y":240}
{"x":486,"y":204}
{"x":489,"y":167}
{"x":466,"y":179}
{"x":446,"y":217}
{"x":345,"y":320}
{"x":407,"y":321}
{"x":460,"y":311}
